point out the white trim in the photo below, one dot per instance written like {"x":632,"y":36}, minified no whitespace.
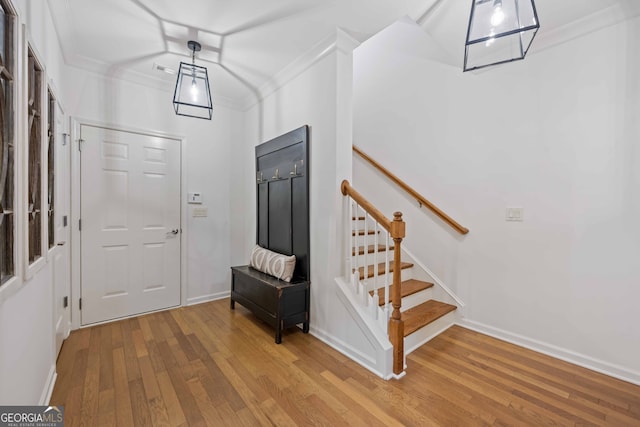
{"x":76,"y":124}
{"x":208,"y":298}
{"x":594,"y":22}
{"x":105,"y":71}
{"x":45,"y":397}
{"x":436,"y":279}
{"x":341,"y":41}
{"x":130,"y":316}
{"x":9,"y":288}
{"x":347,"y":350}
{"x":440,"y":328}
{"x":606,"y":368}
{"x":184,"y":224}
{"x":382,"y":363}
{"x":74,"y":216}
{"x":31,"y":269}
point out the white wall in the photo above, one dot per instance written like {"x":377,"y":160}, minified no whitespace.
{"x":27,"y":359}
{"x":556,"y":134}
{"x":208,"y":169}
{"x":27,"y":355}
{"x":320,"y":96}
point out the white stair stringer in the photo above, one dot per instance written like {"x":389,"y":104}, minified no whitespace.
{"x":372,"y":320}
{"x":380,"y":363}
{"x":441,"y":291}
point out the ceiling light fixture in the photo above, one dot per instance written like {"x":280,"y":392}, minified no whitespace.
{"x":499,"y":31}
{"x":192,"y":96}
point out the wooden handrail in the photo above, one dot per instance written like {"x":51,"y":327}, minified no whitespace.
{"x":397,"y":230}
{"x":348,"y":190}
{"x":421,"y":199}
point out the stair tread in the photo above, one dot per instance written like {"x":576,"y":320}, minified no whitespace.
{"x":361,"y":232}
{"x":409,"y":287}
{"x":423,"y":314}
{"x":381,"y":269}
{"x":371,"y":249}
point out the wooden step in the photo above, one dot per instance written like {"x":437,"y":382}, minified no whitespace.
{"x":423,"y":314}
{"x":381,"y":269}
{"x":409,"y":287}
{"x":361,"y":232}
{"x":371,"y":249}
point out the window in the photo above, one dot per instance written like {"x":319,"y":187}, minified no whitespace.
{"x":7,"y":145}
{"x":51,"y":152}
{"x":34,"y":167}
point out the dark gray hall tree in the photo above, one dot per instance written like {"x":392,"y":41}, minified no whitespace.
{"x":282,"y":217}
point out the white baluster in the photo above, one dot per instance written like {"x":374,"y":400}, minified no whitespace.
{"x":376,"y":272}
{"x":347,"y":231}
{"x":365,"y":241}
{"x":386,"y":278}
{"x":355,"y":246}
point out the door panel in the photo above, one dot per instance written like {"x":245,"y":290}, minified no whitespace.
{"x":130,"y":208}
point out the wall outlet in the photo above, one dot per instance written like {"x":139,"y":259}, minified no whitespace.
{"x":200,"y":212}
{"x":515,"y":214}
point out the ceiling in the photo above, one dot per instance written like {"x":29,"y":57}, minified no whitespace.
{"x":246,"y":42}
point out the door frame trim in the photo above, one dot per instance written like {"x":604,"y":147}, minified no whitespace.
{"x":76,"y":123}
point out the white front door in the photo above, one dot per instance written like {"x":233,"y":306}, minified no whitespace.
{"x":130,"y":223}
{"x":61,"y":252}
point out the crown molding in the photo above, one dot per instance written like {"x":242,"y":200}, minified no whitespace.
{"x":581,"y":27}
{"x":340,"y":41}
{"x":109,"y":72}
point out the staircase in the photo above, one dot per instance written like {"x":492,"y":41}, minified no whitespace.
{"x":418,"y":307}
{"x":424,"y":309}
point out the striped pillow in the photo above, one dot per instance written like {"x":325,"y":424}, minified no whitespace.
{"x":273,"y":263}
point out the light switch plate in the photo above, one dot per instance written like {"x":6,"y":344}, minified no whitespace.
{"x":195,"y":197}
{"x":200,"y":212}
{"x":515,"y":214}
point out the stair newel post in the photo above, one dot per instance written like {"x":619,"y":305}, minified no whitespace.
{"x":396,"y":324}
{"x":386,"y":279}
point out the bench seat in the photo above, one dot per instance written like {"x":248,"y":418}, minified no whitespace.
{"x":281,"y":304}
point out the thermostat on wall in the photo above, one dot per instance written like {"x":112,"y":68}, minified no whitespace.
{"x":195,"y":198}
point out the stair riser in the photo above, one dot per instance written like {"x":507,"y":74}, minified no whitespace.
{"x":361,"y":223}
{"x":370,"y":240}
{"x":373,"y":258}
{"x":426,"y":333}
{"x":412,"y":300}
{"x":416,"y":299}
{"x":405,"y":274}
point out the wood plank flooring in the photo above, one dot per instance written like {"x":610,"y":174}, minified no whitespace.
{"x":206,"y":365}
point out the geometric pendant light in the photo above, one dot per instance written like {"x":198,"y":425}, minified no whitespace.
{"x":499,"y":31}
{"x":192,"y":96}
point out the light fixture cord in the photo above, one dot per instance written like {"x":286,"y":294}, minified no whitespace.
{"x":193,"y":56}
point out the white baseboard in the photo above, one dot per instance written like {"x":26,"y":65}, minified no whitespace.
{"x":48,"y":388}
{"x":606,"y":368}
{"x":208,"y":298}
{"x":357,"y":356}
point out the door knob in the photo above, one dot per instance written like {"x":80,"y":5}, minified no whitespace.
{"x":172,"y":232}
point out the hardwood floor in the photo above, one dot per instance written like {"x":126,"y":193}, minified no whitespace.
{"x":207,"y":365}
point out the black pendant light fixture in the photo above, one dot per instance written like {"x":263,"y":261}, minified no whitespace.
{"x":192,"y":96}
{"x":499,"y":31}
